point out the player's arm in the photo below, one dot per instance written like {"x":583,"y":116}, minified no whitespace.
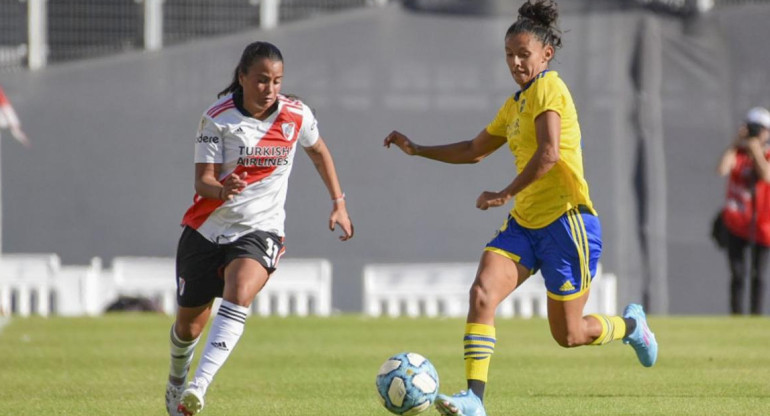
{"x":468,"y":151}
{"x":727,"y":161}
{"x":208,"y":186}
{"x":548,"y":132}
{"x":324,"y":164}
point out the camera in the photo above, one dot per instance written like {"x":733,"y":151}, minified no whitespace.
{"x":754,"y":129}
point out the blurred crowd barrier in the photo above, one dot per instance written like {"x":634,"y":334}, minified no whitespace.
{"x":38,"y":284}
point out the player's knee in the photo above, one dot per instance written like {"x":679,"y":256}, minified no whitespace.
{"x":188,"y":331}
{"x":480,"y":297}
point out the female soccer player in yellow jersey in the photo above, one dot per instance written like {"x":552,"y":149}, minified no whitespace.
{"x":552,"y":227}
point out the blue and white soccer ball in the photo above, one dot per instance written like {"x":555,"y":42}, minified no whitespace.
{"x":407,"y":384}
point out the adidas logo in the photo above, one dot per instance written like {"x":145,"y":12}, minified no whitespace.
{"x":566,"y":287}
{"x":238,"y":130}
{"x":221,"y":345}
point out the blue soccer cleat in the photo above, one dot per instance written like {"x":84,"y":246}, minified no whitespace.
{"x":464,"y":403}
{"x":642,"y":339}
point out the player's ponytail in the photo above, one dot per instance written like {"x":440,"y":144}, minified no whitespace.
{"x":252,"y":52}
{"x":538,"y":18}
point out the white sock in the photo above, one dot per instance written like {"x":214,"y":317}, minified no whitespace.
{"x":181,"y":357}
{"x":224,"y":334}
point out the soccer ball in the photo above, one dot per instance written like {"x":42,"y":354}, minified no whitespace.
{"x":407,"y":384}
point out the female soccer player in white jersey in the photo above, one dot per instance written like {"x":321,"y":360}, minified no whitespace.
{"x":233,"y":233}
{"x":552,"y":227}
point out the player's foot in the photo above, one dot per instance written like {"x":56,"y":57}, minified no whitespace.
{"x":173,"y":393}
{"x":642,"y":339}
{"x":464,"y":403}
{"x":191,"y":402}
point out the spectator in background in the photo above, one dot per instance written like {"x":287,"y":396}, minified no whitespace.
{"x":746,"y":214}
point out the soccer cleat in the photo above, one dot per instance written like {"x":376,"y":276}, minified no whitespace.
{"x":642,"y":339}
{"x":172,"y":399}
{"x":191,"y":402}
{"x":464,"y":403}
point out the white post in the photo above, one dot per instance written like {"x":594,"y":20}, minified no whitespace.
{"x":22,"y":301}
{"x":37,"y":33}
{"x":268,"y":13}
{"x":153,"y":24}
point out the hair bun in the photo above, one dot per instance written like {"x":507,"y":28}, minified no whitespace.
{"x":543,"y":12}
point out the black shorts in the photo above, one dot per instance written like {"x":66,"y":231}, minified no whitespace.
{"x":200,"y":264}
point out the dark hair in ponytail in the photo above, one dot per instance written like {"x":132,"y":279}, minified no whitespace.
{"x":254,"y":51}
{"x":538,"y":18}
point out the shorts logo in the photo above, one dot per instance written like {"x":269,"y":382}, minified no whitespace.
{"x":566,"y":287}
{"x":181,"y":285}
{"x":288,"y":130}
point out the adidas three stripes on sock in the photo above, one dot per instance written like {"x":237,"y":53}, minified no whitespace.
{"x":226,"y":330}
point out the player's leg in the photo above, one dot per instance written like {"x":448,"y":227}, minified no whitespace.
{"x":496,"y":278}
{"x":736,"y":248}
{"x":570,"y":249}
{"x":569,"y":328}
{"x":198,"y":283}
{"x":244,"y":277}
{"x":249,"y":262}
{"x":758,"y":268}
{"x":499,"y":273}
{"x":184,"y":336}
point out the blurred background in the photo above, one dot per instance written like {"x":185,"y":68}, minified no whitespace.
{"x":110,"y":92}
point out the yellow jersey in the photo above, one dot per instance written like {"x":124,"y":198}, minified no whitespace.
{"x":563,"y":187}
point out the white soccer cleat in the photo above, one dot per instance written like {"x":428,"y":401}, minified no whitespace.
{"x":191,"y":402}
{"x":173,"y":393}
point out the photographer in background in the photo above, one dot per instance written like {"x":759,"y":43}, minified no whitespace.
{"x":746,"y":214}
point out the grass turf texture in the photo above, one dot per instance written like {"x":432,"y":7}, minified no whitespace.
{"x":117,"y":365}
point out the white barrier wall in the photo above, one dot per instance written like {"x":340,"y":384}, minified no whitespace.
{"x":37,"y":284}
{"x":441,"y":289}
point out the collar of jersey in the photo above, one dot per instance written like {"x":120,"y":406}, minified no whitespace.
{"x":538,"y":76}
{"x":238,"y":101}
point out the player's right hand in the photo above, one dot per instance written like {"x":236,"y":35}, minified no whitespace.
{"x":403,"y":143}
{"x":233,"y":185}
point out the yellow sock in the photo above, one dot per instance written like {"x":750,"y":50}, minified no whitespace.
{"x":479,"y":344}
{"x":613,"y":327}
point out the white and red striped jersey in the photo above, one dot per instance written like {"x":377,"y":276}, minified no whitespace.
{"x":262,"y":148}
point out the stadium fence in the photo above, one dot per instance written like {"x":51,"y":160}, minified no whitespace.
{"x":38,"y":284}
{"x":34,"y":33}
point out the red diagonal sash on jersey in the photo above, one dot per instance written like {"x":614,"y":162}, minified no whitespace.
{"x":287,"y":122}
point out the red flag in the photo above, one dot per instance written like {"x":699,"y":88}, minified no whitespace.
{"x":9,"y":120}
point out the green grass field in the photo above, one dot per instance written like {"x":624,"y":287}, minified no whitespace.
{"x":117,"y":365}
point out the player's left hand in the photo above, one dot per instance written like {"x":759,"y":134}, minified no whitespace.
{"x":489,"y":199}
{"x":340,"y":216}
